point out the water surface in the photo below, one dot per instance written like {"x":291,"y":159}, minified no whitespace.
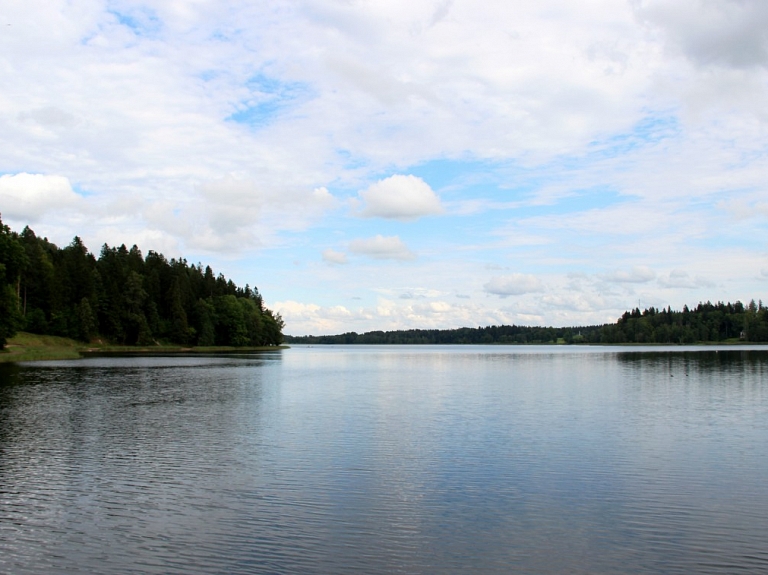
{"x":357,"y":459}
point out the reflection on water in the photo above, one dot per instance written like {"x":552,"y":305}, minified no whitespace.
{"x":388,"y":459}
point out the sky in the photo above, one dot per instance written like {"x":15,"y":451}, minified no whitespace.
{"x":391,"y":164}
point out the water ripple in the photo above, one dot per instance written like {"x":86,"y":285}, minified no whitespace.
{"x":349,"y":461}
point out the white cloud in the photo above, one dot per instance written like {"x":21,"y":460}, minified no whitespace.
{"x":27,"y":197}
{"x":382,"y":248}
{"x":246,"y":212}
{"x":514,"y":284}
{"x":578,"y":302}
{"x":728,"y":33}
{"x":49,"y":117}
{"x":638,"y":274}
{"x":410,"y":292}
{"x":333,"y":257}
{"x":400,"y":198}
{"x":678,"y":278}
{"x":312,"y":318}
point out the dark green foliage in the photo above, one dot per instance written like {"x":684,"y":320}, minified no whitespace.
{"x":205,"y":323}
{"x":35,"y":321}
{"x":707,"y":322}
{"x":13,"y":260}
{"x":124,"y":297}
{"x":86,"y":321}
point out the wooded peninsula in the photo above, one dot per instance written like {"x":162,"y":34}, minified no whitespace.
{"x":124,"y":298}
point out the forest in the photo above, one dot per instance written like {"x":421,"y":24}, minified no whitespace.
{"x":706,"y":323}
{"x":123,"y":297}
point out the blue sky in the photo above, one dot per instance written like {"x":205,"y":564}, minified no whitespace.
{"x":393,"y":165}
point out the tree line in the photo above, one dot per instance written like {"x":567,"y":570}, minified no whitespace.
{"x":705,"y":323}
{"x":124,"y":297}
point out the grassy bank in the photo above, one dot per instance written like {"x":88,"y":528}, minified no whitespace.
{"x":33,"y":347}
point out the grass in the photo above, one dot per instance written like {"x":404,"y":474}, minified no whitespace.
{"x":32,"y":347}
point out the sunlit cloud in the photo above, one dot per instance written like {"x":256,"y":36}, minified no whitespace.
{"x":400,"y":198}
{"x":28,"y":197}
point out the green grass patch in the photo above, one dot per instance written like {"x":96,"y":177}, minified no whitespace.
{"x":32,"y":347}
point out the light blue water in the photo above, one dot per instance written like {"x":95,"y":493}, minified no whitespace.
{"x":388,"y":460}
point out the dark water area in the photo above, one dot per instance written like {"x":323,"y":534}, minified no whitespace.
{"x":388,"y":460}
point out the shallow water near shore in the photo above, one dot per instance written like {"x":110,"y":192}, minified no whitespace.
{"x":388,"y":459}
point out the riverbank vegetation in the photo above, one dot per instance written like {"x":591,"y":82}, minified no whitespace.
{"x":124,"y":298}
{"x":706,"y":323}
{"x":33,"y":347}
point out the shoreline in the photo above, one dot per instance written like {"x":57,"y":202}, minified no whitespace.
{"x":32,"y":347}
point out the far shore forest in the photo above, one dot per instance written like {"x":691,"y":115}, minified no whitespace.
{"x":705,"y":323}
{"x":125,"y":298}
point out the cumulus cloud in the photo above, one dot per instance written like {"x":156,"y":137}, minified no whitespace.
{"x":28,"y":197}
{"x":382,"y":248}
{"x":638,"y":274}
{"x":333,"y":257}
{"x":513,"y":284}
{"x":400,"y":198}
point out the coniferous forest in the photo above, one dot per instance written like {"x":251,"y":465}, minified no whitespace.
{"x":123,"y":297}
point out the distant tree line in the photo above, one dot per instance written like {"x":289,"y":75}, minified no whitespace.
{"x":124,"y":297}
{"x":707,"y":322}
{"x":465,"y":335}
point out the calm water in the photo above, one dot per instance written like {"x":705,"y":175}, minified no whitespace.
{"x":388,"y":460}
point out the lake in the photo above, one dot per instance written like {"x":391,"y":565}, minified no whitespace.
{"x":418,"y":459}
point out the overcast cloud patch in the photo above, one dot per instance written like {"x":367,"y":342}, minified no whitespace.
{"x":333,"y":257}
{"x":727,"y":33}
{"x":638,"y":274}
{"x":382,"y":248}
{"x":513,"y":284}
